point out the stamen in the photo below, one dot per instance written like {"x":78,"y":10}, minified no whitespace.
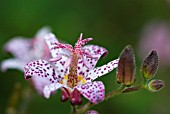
{"x":56,"y":59}
{"x":68,"y":62}
{"x":77,"y":52}
{"x":88,"y":65}
{"x":81,"y":42}
{"x":63,"y":46}
{"x":88,"y":55}
{"x":80,"y":38}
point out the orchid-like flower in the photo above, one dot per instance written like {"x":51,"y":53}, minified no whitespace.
{"x":25,"y":50}
{"x":72,"y":69}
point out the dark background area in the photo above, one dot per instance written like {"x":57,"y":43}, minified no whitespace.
{"x":113,"y":25}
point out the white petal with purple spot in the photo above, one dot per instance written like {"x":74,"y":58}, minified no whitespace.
{"x":93,"y":91}
{"x":42,"y":69}
{"x":87,"y":63}
{"x":100,"y":71}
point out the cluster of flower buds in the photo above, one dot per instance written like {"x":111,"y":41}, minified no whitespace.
{"x":148,"y":70}
{"x":126,"y":70}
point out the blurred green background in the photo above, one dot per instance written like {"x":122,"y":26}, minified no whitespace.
{"x":112,"y":24}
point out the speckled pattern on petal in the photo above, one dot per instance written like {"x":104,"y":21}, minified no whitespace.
{"x":96,"y":52}
{"x":92,"y":112}
{"x":59,"y":68}
{"x":42,"y":69}
{"x":93,"y":91}
{"x":100,"y":71}
{"x":59,"y":65}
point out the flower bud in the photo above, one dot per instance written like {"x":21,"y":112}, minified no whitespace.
{"x":150,"y":65}
{"x":75,"y":98}
{"x":126,"y":67}
{"x":155,"y":85}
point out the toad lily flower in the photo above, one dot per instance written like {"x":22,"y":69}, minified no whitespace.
{"x":72,"y":70}
{"x":25,"y":50}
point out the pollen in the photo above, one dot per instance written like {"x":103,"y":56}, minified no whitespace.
{"x":66,"y":77}
{"x":81,"y":80}
{"x":61,"y":81}
{"x":64,"y":81}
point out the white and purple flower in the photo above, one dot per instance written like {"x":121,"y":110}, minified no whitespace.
{"x":25,"y":50}
{"x":72,"y":70}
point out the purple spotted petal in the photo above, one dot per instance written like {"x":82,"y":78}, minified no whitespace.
{"x":48,"y":89}
{"x":13,"y":64}
{"x":93,"y":91}
{"x":51,"y":40}
{"x":100,"y":71}
{"x":42,"y":69}
{"x":57,"y":53}
{"x":89,"y":63}
{"x":95,"y":51}
{"x":19,"y":47}
{"x":92,"y":112}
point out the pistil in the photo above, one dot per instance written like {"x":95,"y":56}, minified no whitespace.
{"x":72,"y":77}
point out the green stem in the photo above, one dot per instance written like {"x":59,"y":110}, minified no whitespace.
{"x":120,"y":90}
{"x":133,"y":89}
{"x":73,"y":110}
{"x":115,"y":92}
{"x":85,"y":107}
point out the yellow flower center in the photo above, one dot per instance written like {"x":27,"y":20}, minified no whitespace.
{"x":81,"y":80}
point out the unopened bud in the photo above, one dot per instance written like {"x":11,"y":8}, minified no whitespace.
{"x":126,"y":67}
{"x":150,"y":65}
{"x":75,"y":98}
{"x":155,"y":85}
